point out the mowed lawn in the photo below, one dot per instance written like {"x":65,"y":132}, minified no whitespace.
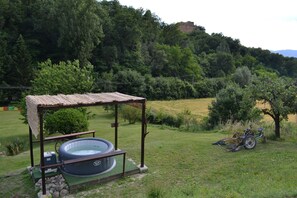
{"x":180,"y":164}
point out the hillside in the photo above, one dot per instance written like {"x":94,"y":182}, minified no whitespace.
{"x":127,"y":50}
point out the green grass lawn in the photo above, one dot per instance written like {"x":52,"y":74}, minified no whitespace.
{"x":181,"y":164}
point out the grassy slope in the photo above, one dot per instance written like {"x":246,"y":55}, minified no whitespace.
{"x":180,"y":165}
{"x":186,"y":164}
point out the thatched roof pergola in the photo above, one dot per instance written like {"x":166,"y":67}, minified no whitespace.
{"x":37,"y":105}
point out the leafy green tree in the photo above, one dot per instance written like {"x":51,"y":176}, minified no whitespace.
{"x":171,"y":35}
{"x":232,"y":104}
{"x":65,"y":77}
{"x":199,"y":42}
{"x":209,"y":87}
{"x":20,"y":70}
{"x":291,"y":66}
{"x":225,"y":63}
{"x":177,"y":62}
{"x":269,"y":59}
{"x":79,"y":28}
{"x":169,"y":88}
{"x":217,"y":64}
{"x":261,"y":70}
{"x":104,"y":82}
{"x":123,"y":42}
{"x":242,"y":76}
{"x":162,"y":88}
{"x":12,"y":14}
{"x":280,"y":96}
{"x":67,"y":29}
{"x":17,"y":67}
{"x":223,"y":47}
{"x":249,"y":61}
{"x":130,"y":113}
{"x":4,"y":57}
{"x":149,"y":86}
{"x":150,"y":27}
{"x":130,"y":82}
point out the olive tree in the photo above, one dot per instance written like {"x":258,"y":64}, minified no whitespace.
{"x":242,"y":76}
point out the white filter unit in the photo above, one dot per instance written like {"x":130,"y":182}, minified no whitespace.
{"x":49,"y":159}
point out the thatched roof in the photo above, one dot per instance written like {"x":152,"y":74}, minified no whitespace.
{"x":75,"y":100}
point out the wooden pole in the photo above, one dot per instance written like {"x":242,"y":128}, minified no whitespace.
{"x":116,"y":127}
{"x":143,"y":121}
{"x":31,"y":147}
{"x":42,"y":151}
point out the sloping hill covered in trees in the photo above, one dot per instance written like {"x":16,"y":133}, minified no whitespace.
{"x":131,"y":50}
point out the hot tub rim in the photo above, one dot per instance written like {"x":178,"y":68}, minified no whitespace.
{"x":65,"y":154}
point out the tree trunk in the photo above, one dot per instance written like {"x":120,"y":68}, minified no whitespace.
{"x":277,"y":126}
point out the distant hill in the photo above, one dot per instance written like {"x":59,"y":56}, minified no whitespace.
{"x":287,"y":53}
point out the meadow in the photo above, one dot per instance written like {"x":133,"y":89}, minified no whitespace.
{"x":198,"y":107}
{"x":180,"y":164}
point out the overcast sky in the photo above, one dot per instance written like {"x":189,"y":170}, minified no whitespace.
{"x":269,"y":24}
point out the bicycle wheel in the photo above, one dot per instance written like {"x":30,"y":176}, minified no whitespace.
{"x":249,"y":142}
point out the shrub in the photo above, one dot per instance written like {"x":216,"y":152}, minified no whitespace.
{"x":129,"y":82}
{"x":187,"y":117}
{"x":232,"y":127}
{"x":232,"y":104}
{"x":163,"y":118}
{"x":189,"y":121}
{"x":208,"y":87}
{"x":15,"y":147}
{"x":66,"y":121}
{"x":130,"y":113}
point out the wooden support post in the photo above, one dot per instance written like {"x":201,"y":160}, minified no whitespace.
{"x":143,"y":121}
{"x":124,"y":163}
{"x":116,"y":128}
{"x":31,"y":147}
{"x":42,"y":151}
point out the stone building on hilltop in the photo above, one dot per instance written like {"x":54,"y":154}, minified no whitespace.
{"x":188,"y":27}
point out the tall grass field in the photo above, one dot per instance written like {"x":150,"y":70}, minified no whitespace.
{"x":180,"y":164}
{"x":198,"y":107}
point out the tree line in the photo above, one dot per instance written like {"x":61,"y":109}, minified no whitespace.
{"x":125,"y":47}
